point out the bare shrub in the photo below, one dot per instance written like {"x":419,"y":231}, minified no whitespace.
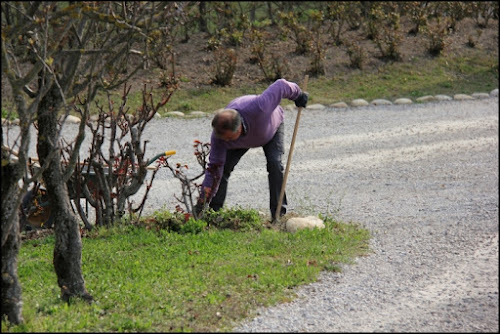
{"x":224,"y":66}
{"x":116,"y":167}
{"x":357,"y":55}
{"x":436,"y":34}
{"x":272,"y":64}
{"x":317,"y":66}
{"x":292,"y":28}
{"x":384,"y":29}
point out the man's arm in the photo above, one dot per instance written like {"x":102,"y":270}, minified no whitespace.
{"x":215,"y":168}
{"x":280,"y":89}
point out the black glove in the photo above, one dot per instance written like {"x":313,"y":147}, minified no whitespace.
{"x":301,"y":101}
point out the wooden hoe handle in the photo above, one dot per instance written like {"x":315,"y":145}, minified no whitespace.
{"x":282,"y":193}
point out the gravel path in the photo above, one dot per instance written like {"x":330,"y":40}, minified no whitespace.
{"x":422,"y":178}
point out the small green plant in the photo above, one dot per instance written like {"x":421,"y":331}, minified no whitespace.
{"x":231,"y":38}
{"x":234,"y":219}
{"x":9,"y":115}
{"x":193,"y":226}
{"x":185,"y":106}
{"x":333,"y":267}
{"x":213,"y":43}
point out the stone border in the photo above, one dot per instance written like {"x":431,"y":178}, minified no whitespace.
{"x":317,"y":106}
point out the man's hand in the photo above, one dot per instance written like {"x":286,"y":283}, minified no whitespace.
{"x":204,"y":198}
{"x":301,"y":101}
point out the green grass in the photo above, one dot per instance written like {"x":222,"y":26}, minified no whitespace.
{"x":445,"y":75}
{"x":151,"y":279}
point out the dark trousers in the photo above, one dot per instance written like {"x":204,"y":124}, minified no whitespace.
{"x":274,"y":150}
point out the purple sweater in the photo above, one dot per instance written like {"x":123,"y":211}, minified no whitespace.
{"x":261,"y":115}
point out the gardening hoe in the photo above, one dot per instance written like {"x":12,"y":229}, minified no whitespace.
{"x":282,"y":193}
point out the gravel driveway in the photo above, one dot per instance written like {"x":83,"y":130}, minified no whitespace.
{"x":422,"y":178}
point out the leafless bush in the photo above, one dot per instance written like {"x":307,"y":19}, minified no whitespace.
{"x":473,"y":39}
{"x":384,"y":30}
{"x":483,"y":12}
{"x":273,"y":65}
{"x":317,"y":66}
{"x":190,"y":189}
{"x":292,"y":28}
{"x":436,"y":34}
{"x":111,"y":175}
{"x":357,"y":55}
{"x":224,"y":66}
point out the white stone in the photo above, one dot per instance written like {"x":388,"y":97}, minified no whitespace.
{"x":339,"y":105}
{"x":380,"y":102}
{"x":426,"y":98}
{"x":316,"y":106}
{"x":441,"y":97}
{"x":462,"y":97}
{"x":175,"y":113}
{"x":300,"y":223}
{"x":72,"y":119}
{"x":480,"y":95}
{"x":403,"y":100}
{"x":359,"y":103}
{"x":197,"y":113}
{"x":494,"y":92}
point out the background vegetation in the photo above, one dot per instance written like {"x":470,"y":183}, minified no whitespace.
{"x":351,"y":49}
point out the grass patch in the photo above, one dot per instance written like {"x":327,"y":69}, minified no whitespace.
{"x":150,"y":279}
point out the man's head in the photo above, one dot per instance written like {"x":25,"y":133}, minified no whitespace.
{"x":227,"y":124}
